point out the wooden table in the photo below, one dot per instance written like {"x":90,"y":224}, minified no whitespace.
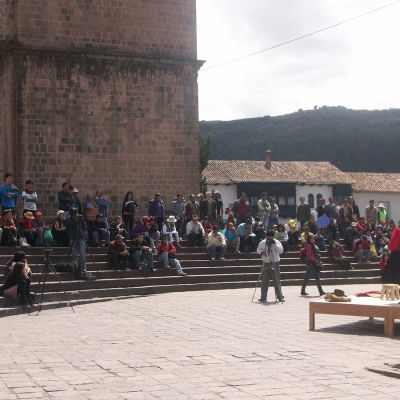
{"x":361,"y":307}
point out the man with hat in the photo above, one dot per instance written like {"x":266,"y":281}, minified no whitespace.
{"x":118,"y":253}
{"x":381,"y":215}
{"x":169,"y":229}
{"x":270,"y":250}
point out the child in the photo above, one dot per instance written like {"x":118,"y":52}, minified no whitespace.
{"x":166,"y":256}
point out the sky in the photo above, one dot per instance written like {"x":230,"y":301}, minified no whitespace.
{"x":356,"y":65}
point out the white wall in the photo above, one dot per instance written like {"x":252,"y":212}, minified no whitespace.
{"x":228,"y":193}
{"x":305,"y":190}
{"x":393,"y":199}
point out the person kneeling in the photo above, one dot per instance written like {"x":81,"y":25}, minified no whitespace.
{"x":118,"y":253}
{"x":166,"y":256}
{"x":270,"y":249}
{"x":216,"y":244}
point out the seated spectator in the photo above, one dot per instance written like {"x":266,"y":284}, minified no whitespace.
{"x":293,"y":233}
{"x":17,"y":285}
{"x":282,"y":236}
{"x":195,"y":232}
{"x":259,"y":231}
{"x":140,"y":226}
{"x":332,"y":231}
{"x":361,"y":250}
{"x":361,"y":225}
{"x":350,"y":235}
{"x":100,"y":231}
{"x":118,"y":253}
{"x":336,"y":253}
{"x":167,"y":256}
{"x":19,"y":257}
{"x":9,"y":229}
{"x":59,"y":230}
{"x":231,"y":237}
{"x":169,"y":229}
{"x":206,"y":224}
{"x":118,"y":227}
{"x":384,"y":259}
{"x":141,"y":253}
{"x":246,"y":236}
{"x":40,"y":227}
{"x":216,"y":244}
{"x":28,"y":228}
{"x":154,"y":233}
{"x":379,"y":239}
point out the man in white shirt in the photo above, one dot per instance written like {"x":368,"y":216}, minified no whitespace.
{"x":216,"y":244}
{"x":195,"y":231}
{"x":270,"y":249}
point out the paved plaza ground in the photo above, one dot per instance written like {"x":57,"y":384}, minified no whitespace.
{"x":195,"y":345}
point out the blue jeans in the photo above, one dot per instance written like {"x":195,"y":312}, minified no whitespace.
{"x":216,"y":251}
{"x":140,"y":257}
{"x":362,"y":255}
{"x":166,"y":262}
{"x":78,"y":253}
{"x":99,"y":235}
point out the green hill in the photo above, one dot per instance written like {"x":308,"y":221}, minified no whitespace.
{"x":353,"y":140}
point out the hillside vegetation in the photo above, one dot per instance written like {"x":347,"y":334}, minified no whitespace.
{"x":353,"y":140}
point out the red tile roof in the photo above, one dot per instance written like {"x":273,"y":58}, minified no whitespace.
{"x":307,"y":172}
{"x":375,"y":182}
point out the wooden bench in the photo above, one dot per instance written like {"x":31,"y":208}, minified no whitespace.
{"x":360,"y":307}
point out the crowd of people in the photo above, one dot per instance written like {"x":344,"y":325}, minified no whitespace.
{"x":137,"y":241}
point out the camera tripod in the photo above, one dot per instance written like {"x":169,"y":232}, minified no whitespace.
{"x":47,"y":268}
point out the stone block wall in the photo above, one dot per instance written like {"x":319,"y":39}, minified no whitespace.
{"x":102,"y":94}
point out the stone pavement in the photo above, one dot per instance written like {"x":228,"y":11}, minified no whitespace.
{"x":195,"y":345}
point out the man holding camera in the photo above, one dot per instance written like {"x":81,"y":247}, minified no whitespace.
{"x":270,"y":249}
{"x":77,"y":233}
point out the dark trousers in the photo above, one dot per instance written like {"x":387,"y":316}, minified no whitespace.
{"x":119,"y":262}
{"x":271,"y":271}
{"x":195,"y":239}
{"x":24,"y":292}
{"x":311,"y":271}
{"x":246,"y":244}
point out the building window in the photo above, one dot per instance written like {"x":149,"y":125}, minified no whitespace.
{"x":281,"y":201}
{"x":319,"y":197}
{"x":253,"y":201}
{"x":311,"y":200}
{"x":291,"y":201}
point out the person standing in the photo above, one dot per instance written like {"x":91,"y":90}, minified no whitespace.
{"x":264,"y":208}
{"x":102,"y":205}
{"x":156,"y":209}
{"x":77,"y":201}
{"x":178,"y":211}
{"x":30,"y":197}
{"x":313,"y":263}
{"x":371,"y":214}
{"x":332,"y":209}
{"x":270,"y":250}
{"x":208,"y":208}
{"x":241,"y":209}
{"x":65,"y":199}
{"x":129,"y":207}
{"x":77,"y":234}
{"x":8,"y":193}
{"x":274,"y":214}
{"x":220,"y":207}
{"x":303,"y":212}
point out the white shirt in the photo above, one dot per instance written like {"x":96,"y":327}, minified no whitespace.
{"x":30,"y":200}
{"x":270,"y":254}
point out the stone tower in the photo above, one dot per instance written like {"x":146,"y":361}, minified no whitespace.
{"x":102,"y":94}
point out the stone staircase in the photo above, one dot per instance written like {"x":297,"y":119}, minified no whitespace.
{"x":237,"y":271}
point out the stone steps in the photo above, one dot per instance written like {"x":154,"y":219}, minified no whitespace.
{"x":237,"y":271}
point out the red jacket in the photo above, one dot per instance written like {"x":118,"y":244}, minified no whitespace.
{"x":361,"y":245}
{"x":169,"y":248}
{"x":394,"y":243}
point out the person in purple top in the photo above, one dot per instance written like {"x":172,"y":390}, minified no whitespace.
{"x":140,"y":227}
{"x":156,"y":209}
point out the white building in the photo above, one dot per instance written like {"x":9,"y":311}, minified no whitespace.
{"x":381,"y":187}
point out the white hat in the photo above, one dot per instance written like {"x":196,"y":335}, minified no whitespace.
{"x":75,"y":190}
{"x":381,"y":205}
{"x":60,"y":212}
{"x":171,"y":219}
